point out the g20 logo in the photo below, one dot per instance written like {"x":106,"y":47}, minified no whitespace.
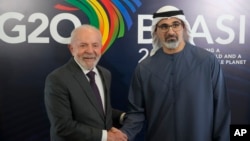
{"x":35,"y":36}
{"x":111,"y":17}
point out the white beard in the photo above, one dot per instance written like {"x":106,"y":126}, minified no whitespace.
{"x":171,"y":44}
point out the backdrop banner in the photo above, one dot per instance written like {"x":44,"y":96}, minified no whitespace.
{"x":33,"y":41}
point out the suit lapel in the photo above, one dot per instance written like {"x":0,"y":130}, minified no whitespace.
{"x":106,"y":85}
{"x":86,"y":88}
{"x":104,"y":79}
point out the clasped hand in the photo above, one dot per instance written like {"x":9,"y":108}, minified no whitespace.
{"x":115,"y":134}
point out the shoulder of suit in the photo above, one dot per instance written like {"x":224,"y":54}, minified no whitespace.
{"x":103,"y":70}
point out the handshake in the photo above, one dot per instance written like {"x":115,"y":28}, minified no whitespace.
{"x":115,"y":134}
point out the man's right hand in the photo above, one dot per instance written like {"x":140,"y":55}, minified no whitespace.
{"x":115,"y":134}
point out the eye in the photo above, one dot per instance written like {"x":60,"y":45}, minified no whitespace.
{"x":96,"y":45}
{"x":175,"y":25}
{"x":82,"y":45}
{"x":163,"y":26}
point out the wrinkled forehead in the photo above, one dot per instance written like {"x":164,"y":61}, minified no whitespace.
{"x":86,"y":35}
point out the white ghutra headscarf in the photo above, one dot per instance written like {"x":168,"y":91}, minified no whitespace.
{"x":168,"y":12}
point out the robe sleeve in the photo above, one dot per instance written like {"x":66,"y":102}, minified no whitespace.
{"x":135,"y":116}
{"x":222,"y":114}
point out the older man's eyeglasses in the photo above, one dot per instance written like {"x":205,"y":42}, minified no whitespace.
{"x":165,"y":27}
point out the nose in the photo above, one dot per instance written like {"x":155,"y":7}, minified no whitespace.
{"x":90,"y":49}
{"x":170,"y":30}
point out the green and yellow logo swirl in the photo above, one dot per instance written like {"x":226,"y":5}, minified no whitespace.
{"x":110,"y":16}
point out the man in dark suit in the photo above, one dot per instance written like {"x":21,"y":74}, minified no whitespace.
{"x":75,"y":113}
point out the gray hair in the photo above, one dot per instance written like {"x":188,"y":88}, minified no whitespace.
{"x":84,"y":26}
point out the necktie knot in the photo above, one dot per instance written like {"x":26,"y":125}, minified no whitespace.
{"x":91,"y":75}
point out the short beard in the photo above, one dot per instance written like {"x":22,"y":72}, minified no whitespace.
{"x":171,"y":44}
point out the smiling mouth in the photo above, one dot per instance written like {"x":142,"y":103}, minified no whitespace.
{"x":89,"y":57}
